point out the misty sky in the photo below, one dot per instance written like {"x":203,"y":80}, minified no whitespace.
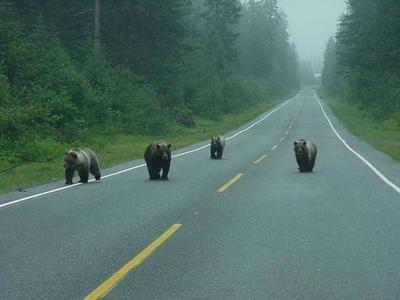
{"x":311,"y":23}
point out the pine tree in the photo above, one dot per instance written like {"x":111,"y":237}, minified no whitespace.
{"x":364,"y":63}
{"x":221,"y":17}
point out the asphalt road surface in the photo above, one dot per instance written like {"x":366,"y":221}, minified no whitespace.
{"x":249,"y":226}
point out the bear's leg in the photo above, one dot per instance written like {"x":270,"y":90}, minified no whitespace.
{"x":157,"y":171}
{"x":94,"y":169}
{"x":308,"y":167}
{"x":212,"y":151}
{"x":149,"y":169}
{"x":219,"y":153}
{"x":302,"y":168}
{"x":153,"y":174}
{"x":84,"y":175}
{"x":69,"y":174}
{"x":311,"y":167}
{"x":165,"y":171}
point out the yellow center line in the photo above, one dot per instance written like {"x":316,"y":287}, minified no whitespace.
{"x":111,"y":282}
{"x":274,"y":147}
{"x":260,"y":159}
{"x":282,"y":139}
{"x":230,"y":182}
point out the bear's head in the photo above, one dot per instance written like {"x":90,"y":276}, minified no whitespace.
{"x":216,"y":141}
{"x":70,"y":159}
{"x":163,"y":151}
{"x":300,"y":148}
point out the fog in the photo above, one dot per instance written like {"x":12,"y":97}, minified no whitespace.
{"x":311,"y":23}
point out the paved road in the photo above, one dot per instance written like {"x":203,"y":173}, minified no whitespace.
{"x":272,"y":234}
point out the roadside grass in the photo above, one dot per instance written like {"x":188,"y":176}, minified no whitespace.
{"x":384,"y":136}
{"x":125,"y":147}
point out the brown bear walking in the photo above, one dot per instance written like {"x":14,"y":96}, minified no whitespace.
{"x":217,"y":147}
{"x":306,"y":153}
{"x":83,"y":160}
{"x":158,"y":157}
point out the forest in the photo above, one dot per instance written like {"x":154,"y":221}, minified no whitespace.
{"x":361,"y":64}
{"x":149,"y":65}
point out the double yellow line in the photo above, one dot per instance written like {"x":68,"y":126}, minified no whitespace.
{"x":260,"y":159}
{"x":111,"y":282}
{"x":118,"y":276}
{"x":230,"y":182}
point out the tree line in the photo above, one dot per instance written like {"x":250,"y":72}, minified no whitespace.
{"x":157,"y":63}
{"x":362,"y":64}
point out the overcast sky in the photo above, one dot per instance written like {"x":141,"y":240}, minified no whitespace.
{"x":311,"y":23}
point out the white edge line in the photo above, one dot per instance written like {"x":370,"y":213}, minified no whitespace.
{"x":142,"y":165}
{"x":364,"y":160}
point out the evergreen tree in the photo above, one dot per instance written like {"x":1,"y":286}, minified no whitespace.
{"x":221,"y":16}
{"x":329,"y":72}
{"x":363,"y":66}
{"x":157,"y":63}
{"x":265,"y":51}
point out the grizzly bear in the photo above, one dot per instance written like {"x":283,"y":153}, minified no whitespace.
{"x":83,"y":160}
{"x":157,"y":157}
{"x":217,"y":147}
{"x":306,"y":153}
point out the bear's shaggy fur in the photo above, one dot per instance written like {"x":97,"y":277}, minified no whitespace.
{"x":157,"y":157}
{"x":306,"y":153}
{"x":217,"y":147}
{"x":83,"y":160}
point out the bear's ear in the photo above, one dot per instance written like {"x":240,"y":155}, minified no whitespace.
{"x":158,"y":146}
{"x":218,"y":138}
{"x":74,"y":155}
{"x":304,"y":143}
{"x":169,"y":146}
{"x":295,"y":143}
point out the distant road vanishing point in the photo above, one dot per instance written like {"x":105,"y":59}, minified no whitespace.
{"x":249,"y":226}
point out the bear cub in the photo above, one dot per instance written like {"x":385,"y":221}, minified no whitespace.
{"x":306,"y":153}
{"x":217,"y":147}
{"x":83,"y":160}
{"x":158,"y":157}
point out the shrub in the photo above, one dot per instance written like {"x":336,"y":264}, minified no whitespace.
{"x":183,"y":116}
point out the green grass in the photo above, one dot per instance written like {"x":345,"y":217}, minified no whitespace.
{"x":124,"y":147}
{"x":384,"y":136}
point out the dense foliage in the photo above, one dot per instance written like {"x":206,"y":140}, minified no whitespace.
{"x":156,"y":63}
{"x":362,"y":65}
